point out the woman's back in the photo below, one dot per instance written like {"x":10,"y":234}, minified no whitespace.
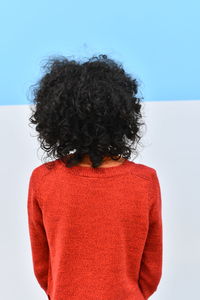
{"x":96,"y":234}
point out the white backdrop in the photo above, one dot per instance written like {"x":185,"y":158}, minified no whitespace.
{"x":171,"y":146}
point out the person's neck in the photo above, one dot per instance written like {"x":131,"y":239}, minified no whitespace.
{"x":107,"y":161}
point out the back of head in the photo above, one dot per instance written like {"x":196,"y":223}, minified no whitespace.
{"x":86,"y":108}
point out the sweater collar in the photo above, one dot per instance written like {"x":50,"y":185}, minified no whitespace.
{"x":98,"y":172}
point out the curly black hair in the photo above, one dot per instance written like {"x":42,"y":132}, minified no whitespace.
{"x":86,"y":108}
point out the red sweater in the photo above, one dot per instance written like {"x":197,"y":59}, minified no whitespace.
{"x":96,"y":234}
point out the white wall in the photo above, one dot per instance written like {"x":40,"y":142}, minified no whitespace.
{"x":171,"y":146}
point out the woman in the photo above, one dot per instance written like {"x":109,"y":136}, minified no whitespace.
{"x":95,"y":217}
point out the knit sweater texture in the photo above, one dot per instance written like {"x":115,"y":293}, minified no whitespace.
{"x":96,"y":234}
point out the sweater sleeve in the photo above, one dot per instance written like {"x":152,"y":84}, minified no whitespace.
{"x":151,"y":263}
{"x":37,"y":234}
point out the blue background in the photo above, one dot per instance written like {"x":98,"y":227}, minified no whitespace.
{"x":156,"y":41}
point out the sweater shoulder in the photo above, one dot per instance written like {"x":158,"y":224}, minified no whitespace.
{"x":43,"y":170}
{"x":40,"y":172}
{"x":144,"y":171}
